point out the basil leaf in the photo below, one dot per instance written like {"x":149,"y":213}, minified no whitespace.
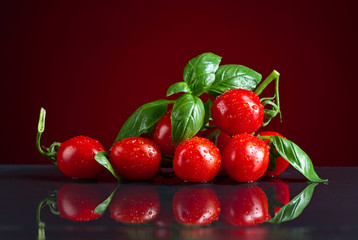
{"x":178,"y":87}
{"x":143,"y":119}
{"x":207,"y":107}
{"x":296,"y":157}
{"x":187,"y":117}
{"x":199,"y":73}
{"x":103,"y":206}
{"x":295,"y":207}
{"x":234,"y":76}
{"x":101,"y":158}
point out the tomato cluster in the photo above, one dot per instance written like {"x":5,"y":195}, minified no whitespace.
{"x":237,"y":113}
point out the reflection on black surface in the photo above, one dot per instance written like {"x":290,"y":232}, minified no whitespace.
{"x":179,"y":211}
{"x":135,"y":204}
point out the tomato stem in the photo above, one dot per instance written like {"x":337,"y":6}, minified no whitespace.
{"x":270,"y":113}
{"x":274,"y":75}
{"x":52,"y":150}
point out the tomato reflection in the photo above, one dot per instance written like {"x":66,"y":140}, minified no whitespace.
{"x":77,"y":201}
{"x":196,"y":206}
{"x":135,"y":204}
{"x":245,"y":206}
{"x":278,"y":195}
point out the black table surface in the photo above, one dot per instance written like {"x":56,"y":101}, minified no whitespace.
{"x":39,"y":202}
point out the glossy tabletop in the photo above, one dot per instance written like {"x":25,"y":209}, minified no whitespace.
{"x":39,"y":202}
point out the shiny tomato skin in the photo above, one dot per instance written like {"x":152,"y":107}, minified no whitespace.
{"x":281,"y":163}
{"x":135,"y":204}
{"x":77,"y":201}
{"x":237,"y":111}
{"x":162,"y":135}
{"x":245,"y":206}
{"x":75,"y":158}
{"x":135,"y":158}
{"x":196,"y":160}
{"x":245,"y":158}
{"x":196,"y":206}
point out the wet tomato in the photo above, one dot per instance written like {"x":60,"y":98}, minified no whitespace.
{"x":196,"y":160}
{"x":135,"y":158}
{"x":75,"y":158}
{"x":245,"y":158}
{"x":237,"y":111}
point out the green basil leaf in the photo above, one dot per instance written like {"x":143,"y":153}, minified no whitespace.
{"x":295,"y":207}
{"x":104,"y":205}
{"x":187,"y":117}
{"x":234,"y":76}
{"x":178,"y":87}
{"x":207,"y":107}
{"x":101,"y":158}
{"x":143,"y":119}
{"x":296,"y":157}
{"x":199,"y":73}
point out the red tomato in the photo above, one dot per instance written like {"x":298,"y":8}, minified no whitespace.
{"x":77,"y":201}
{"x":135,"y":158}
{"x":75,"y":158}
{"x":281,"y":163}
{"x":162,"y":135}
{"x":196,"y":160}
{"x":245,"y":158}
{"x":135,"y":204}
{"x":245,"y":206}
{"x":196,"y":206}
{"x":238,"y":111}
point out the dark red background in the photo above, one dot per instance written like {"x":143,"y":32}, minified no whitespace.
{"x":92,"y":63}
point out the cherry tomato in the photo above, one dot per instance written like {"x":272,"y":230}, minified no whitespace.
{"x":162,"y":135}
{"x":135,"y":158}
{"x":245,"y":158}
{"x":237,"y":111}
{"x":245,"y":206}
{"x":196,"y":160}
{"x":196,"y":206}
{"x":75,"y":158}
{"x":281,"y":163}
{"x":77,"y":201}
{"x":135,"y":204}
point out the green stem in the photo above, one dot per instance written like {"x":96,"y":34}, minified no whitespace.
{"x":274,"y":75}
{"x":40,"y":130}
{"x":52,"y":151}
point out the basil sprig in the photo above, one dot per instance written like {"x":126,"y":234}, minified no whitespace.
{"x":201,"y":75}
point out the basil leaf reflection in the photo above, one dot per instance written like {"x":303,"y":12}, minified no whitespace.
{"x":295,"y":207}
